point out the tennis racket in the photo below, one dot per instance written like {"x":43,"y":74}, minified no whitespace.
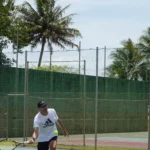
{"x":11,"y":144}
{"x":20,"y":143}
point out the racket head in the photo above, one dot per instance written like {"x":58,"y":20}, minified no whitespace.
{"x":20,"y":144}
{"x":11,"y":144}
{"x":7,"y":144}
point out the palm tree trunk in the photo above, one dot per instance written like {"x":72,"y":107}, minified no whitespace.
{"x":50,"y":65}
{"x":42,"y":50}
{"x":51,"y":52}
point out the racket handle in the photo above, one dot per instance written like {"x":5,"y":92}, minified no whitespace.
{"x":25,"y":142}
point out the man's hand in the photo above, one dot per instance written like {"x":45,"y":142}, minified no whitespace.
{"x":31,"y":141}
{"x":66,"y":133}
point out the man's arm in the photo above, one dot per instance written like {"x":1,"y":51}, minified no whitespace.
{"x":34,"y":135}
{"x":62,"y":127}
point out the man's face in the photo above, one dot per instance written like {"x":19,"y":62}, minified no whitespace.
{"x":43,"y":109}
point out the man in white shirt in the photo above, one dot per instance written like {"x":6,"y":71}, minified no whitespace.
{"x":45,"y":127}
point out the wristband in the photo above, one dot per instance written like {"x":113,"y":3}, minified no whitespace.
{"x":33,"y":139}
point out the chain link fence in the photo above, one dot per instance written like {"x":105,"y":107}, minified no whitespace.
{"x":122,"y":104}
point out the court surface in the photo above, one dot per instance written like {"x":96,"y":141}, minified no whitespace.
{"x":131,"y":139}
{"x":18,"y":148}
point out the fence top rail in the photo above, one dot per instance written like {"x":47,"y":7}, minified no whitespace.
{"x":56,"y":61}
{"x":16,"y":94}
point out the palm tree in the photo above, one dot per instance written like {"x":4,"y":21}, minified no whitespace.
{"x":144,"y":44}
{"x":49,"y":25}
{"x":116,"y":70}
{"x":127,"y":62}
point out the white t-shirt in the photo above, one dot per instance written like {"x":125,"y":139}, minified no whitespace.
{"x":46,"y":124}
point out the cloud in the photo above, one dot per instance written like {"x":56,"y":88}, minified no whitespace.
{"x":92,"y":2}
{"x":18,"y":2}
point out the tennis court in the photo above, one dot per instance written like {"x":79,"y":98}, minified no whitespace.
{"x":19,"y":148}
{"x":135,"y":140}
{"x":130,"y":140}
{"x":10,"y":147}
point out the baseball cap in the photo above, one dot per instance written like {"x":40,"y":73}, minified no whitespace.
{"x":41,"y":104}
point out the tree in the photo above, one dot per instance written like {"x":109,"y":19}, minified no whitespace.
{"x":49,"y":25}
{"x":144,"y":44}
{"x":6,"y":7}
{"x":4,"y":61}
{"x":128,"y":62}
{"x":56,"y":68}
{"x":12,"y":29}
{"x":20,"y":35}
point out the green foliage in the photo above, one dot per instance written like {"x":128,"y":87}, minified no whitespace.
{"x":20,"y":35}
{"x":5,"y":13}
{"x":6,"y":7}
{"x":144,"y":44}
{"x":12,"y":29}
{"x":56,"y":68}
{"x":4,"y":61}
{"x":129,"y":63}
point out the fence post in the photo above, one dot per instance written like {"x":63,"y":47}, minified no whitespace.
{"x":96,"y":98}
{"x":104,"y":61}
{"x":25,"y":96}
{"x":84,"y":103}
{"x":149,"y":126}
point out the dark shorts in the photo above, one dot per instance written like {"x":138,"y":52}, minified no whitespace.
{"x":45,"y":145}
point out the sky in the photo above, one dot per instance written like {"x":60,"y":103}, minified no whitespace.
{"x":106,"y":22}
